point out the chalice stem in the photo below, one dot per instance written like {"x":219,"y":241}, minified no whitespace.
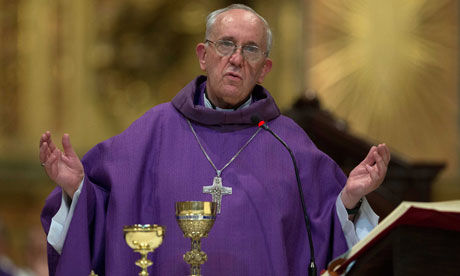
{"x":196,"y":244}
{"x":195,"y":267}
{"x":144,"y":263}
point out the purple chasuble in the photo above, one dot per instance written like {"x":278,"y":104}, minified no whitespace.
{"x":4,"y":273}
{"x":137,"y":176}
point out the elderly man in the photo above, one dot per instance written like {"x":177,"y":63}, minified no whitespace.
{"x":205,"y":136}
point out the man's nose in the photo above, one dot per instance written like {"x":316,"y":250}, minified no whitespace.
{"x":237,"y":57}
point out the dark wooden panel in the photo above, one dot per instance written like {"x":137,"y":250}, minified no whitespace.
{"x":405,"y":180}
{"x":410,"y":250}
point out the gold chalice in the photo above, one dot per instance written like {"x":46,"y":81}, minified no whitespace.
{"x":196,"y":219}
{"x":144,"y":239}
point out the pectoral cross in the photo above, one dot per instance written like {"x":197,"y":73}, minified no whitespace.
{"x":217,"y":191}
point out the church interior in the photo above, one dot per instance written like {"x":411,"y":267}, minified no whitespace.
{"x":378,"y":71}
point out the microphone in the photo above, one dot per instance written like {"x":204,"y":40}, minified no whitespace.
{"x":312,"y":270}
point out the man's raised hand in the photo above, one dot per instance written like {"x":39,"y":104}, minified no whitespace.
{"x":367,"y":176}
{"x":63,"y":167}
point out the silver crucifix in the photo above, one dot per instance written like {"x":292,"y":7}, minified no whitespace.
{"x":217,"y":191}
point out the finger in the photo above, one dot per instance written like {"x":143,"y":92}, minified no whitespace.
{"x":50,"y":160}
{"x":68,"y":150}
{"x":52,"y":166}
{"x":43,"y":153}
{"x":388,"y":153}
{"x":384,"y":152}
{"x":44,"y":138}
{"x":369,"y":160}
{"x":380,"y":164}
{"x":51,"y":144}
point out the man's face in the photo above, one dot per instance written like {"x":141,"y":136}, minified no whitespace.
{"x":232,"y":78}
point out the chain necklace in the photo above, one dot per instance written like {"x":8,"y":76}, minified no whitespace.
{"x":217,"y":190}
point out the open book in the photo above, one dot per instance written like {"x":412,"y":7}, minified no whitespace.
{"x":444,"y":215}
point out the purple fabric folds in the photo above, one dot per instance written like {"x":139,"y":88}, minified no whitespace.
{"x":137,"y":176}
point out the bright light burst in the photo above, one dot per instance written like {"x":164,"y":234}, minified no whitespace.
{"x":390,"y":69}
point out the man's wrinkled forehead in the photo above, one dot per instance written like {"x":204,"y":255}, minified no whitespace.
{"x":238,"y":16}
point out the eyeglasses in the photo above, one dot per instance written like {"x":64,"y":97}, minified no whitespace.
{"x":251,"y":53}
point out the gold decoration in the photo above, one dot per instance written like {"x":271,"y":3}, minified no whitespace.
{"x":196,"y":219}
{"x":144,"y":239}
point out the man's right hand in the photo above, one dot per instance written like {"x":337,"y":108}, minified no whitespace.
{"x":63,"y":168}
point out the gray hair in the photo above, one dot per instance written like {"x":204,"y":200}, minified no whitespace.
{"x":211,"y":19}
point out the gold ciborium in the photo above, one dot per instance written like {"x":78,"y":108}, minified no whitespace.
{"x":144,"y":239}
{"x":196,"y":219}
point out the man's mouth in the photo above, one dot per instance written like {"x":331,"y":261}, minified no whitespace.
{"x":234,"y":76}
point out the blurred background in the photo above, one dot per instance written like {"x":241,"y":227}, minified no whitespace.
{"x":390,"y":69}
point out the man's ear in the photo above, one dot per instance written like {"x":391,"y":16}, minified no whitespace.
{"x":201,"y":54}
{"x":265,"y":70}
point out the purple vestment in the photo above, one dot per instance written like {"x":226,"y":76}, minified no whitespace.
{"x":4,"y":273}
{"x":137,"y":176}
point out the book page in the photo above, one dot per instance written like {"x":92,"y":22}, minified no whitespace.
{"x":384,"y":225}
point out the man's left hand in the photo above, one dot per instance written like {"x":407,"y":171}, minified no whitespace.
{"x":367,"y":176}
